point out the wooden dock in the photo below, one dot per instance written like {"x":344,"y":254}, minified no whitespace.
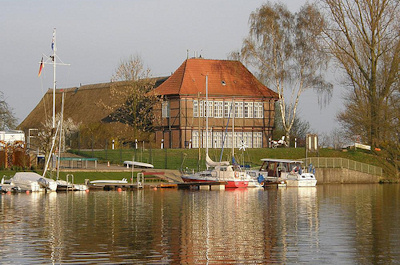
{"x":181,"y":185}
{"x":110,"y":187}
{"x":212,"y":185}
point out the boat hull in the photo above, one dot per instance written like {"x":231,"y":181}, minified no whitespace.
{"x":237,"y":184}
{"x":301,"y":183}
{"x":229,"y":183}
{"x":189,"y":179}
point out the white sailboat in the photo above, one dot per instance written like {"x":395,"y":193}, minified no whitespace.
{"x":30,"y":181}
{"x":53,"y":61}
{"x":217,"y":171}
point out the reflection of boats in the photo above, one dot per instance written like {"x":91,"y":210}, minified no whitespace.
{"x":289,"y":171}
{"x":138,"y":164}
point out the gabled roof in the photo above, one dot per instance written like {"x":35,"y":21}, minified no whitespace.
{"x":224,"y":78}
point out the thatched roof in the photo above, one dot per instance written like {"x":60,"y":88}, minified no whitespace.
{"x":81,"y":104}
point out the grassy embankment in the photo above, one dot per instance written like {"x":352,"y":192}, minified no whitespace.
{"x":188,"y":158}
{"x":177,"y":158}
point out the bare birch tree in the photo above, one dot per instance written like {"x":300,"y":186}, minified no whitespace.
{"x":286,"y":50}
{"x":364,"y":38}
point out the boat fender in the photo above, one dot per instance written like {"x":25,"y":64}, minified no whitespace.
{"x":236,"y":174}
{"x":260,"y":178}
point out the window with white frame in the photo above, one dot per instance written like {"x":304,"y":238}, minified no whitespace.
{"x":201,"y":108}
{"x":165,"y":109}
{"x":238,"y":139}
{"x":208,"y":137}
{"x":218,"y":109}
{"x":258,"y":110}
{"x":227,"y":109}
{"x":195,"y":108}
{"x":248,"y":110}
{"x":248,"y":139}
{"x":257,"y":140}
{"x":238,"y":109}
{"x":195,"y":139}
{"x":209,"y":111}
{"x":217,"y":139}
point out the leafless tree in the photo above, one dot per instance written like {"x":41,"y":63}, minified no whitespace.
{"x":7,"y":118}
{"x":131,"y":84}
{"x":364,"y":38}
{"x":286,"y":50}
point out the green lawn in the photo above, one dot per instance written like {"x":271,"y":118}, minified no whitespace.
{"x":182,"y":158}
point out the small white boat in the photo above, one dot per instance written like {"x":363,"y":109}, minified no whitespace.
{"x":109,"y":181}
{"x":31,"y":181}
{"x":137,"y":164}
{"x":289,"y":171}
{"x":63,"y":185}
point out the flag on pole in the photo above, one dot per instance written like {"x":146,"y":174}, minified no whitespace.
{"x":41,"y":67}
{"x":53,"y":40}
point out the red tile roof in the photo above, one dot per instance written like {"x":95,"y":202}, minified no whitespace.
{"x":225,"y":77}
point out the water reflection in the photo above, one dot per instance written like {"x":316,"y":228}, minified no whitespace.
{"x":329,"y":223}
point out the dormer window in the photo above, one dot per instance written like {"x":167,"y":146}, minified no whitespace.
{"x":223,"y":83}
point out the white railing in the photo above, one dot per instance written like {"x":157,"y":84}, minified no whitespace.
{"x":336,"y":162}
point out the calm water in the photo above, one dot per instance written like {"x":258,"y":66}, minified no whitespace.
{"x":332,"y":224}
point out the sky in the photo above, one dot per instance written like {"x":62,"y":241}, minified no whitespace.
{"x":94,"y":36}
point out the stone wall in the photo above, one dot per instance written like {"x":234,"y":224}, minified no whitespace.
{"x":343,"y":176}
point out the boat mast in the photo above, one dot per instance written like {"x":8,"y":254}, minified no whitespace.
{"x":233,"y":129}
{"x":54,"y":58}
{"x":206,"y":108}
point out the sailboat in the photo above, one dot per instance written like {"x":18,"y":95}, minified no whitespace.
{"x":31,"y":181}
{"x":218,"y":171}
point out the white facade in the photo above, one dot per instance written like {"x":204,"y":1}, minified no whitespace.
{"x":12,"y":136}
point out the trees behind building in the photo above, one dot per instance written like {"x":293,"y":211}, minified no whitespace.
{"x":286,"y":51}
{"x":137,"y":110}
